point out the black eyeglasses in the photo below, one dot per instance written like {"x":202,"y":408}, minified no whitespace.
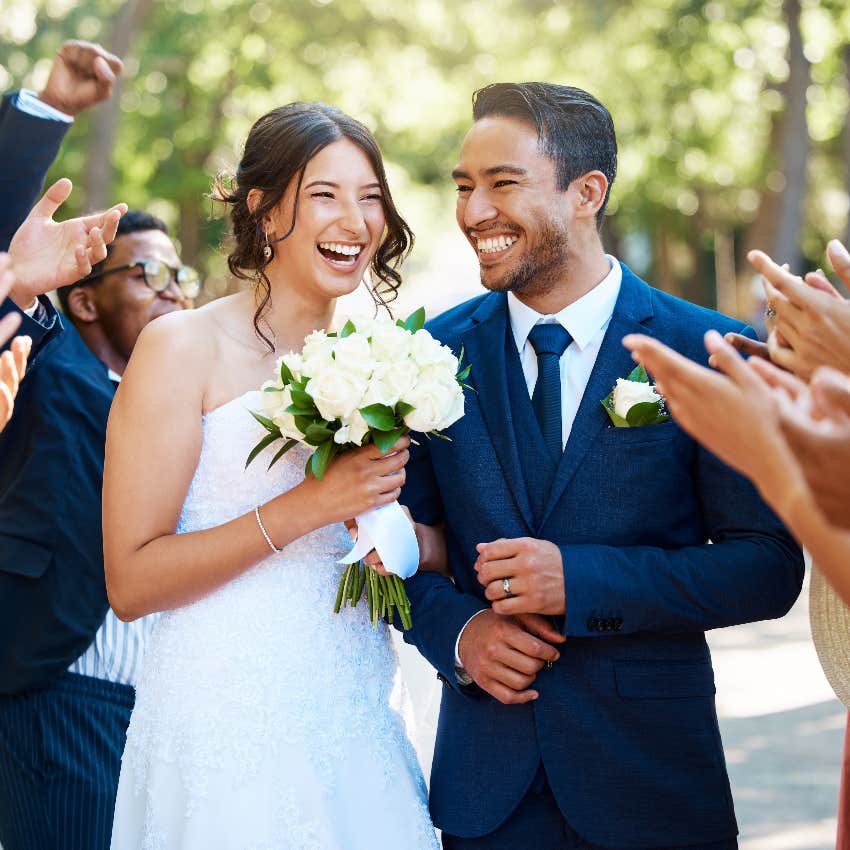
{"x":158,"y":276}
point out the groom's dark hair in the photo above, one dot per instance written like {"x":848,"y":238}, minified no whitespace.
{"x":575,"y":130}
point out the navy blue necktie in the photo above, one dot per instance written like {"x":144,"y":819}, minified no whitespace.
{"x":549,"y":343}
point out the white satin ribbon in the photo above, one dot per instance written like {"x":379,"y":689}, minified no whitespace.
{"x":388,"y":531}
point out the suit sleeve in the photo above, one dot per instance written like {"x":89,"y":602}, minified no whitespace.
{"x":40,"y":333}
{"x":438,"y":609}
{"x":752,"y":570}
{"x":28,"y":146}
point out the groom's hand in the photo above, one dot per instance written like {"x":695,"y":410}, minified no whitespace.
{"x":504,"y":655}
{"x":534,"y":570}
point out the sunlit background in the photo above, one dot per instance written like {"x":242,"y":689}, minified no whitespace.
{"x":731,"y":116}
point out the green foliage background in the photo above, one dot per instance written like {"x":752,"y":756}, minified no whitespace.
{"x":698,"y":91}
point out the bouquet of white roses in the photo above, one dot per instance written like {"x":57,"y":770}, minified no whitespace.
{"x":373,"y":382}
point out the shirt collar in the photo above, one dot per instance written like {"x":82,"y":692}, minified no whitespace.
{"x":583,"y":319}
{"x":113,"y":376}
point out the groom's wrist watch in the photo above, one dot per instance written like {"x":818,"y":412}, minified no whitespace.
{"x":462,"y":676}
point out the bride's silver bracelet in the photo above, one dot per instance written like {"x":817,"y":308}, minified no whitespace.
{"x":265,"y":533}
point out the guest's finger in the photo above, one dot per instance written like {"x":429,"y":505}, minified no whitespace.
{"x":789,"y":285}
{"x":746,"y":345}
{"x":53,"y":198}
{"x":8,"y":325}
{"x":839,"y":257}
{"x":81,"y":257}
{"x":782,"y":356}
{"x":831,"y":391}
{"x":778,"y":378}
{"x":7,"y":405}
{"x":727,"y":359}
{"x":818,"y":280}
{"x":20,"y":348}
{"x":9,"y":372}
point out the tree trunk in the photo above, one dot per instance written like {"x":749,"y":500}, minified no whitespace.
{"x":780,"y":217}
{"x":724,"y":271}
{"x":846,"y":144}
{"x":104,"y":125}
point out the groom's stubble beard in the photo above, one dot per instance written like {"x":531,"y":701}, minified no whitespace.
{"x":540,"y":270}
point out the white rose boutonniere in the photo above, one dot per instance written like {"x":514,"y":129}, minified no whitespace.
{"x":633,"y":402}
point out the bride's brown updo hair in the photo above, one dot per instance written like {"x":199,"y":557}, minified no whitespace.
{"x":277,"y":150}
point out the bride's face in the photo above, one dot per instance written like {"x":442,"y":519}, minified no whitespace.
{"x":339,"y":222}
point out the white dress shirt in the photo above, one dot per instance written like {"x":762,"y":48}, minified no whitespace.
{"x":28,"y":101}
{"x":586,"y":320}
{"x":116,"y":652}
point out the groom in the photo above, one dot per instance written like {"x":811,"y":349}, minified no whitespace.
{"x":556,"y":520}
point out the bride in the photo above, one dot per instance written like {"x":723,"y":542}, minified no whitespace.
{"x":262,"y":720}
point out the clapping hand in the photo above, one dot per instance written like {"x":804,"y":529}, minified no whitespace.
{"x":10,"y":322}
{"x":733,"y":412}
{"x":82,"y":75}
{"x":47,"y":254}
{"x":815,"y":420}
{"x":812,"y":320}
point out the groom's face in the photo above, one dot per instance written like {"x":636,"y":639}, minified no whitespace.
{"x":510,"y":208}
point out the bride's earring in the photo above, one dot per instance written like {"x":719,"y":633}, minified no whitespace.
{"x":267,"y":248}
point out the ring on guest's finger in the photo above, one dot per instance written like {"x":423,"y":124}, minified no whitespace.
{"x":506,"y":586}
{"x":769,"y":311}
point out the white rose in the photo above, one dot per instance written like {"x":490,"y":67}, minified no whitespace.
{"x":316,"y":354}
{"x":359,"y":428}
{"x":336,"y":392}
{"x":294,"y":362}
{"x":434,"y":403}
{"x":390,"y":343}
{"x":629,"y":393}
{"x":354,"y":354}
{"x":274,"y":405}
{"x":390,"y":383}
{"x":343,"y":435}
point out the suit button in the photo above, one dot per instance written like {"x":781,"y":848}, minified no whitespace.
{"x":593,"y":624}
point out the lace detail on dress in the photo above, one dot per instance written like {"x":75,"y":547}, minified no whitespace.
{"x":259,"y":689}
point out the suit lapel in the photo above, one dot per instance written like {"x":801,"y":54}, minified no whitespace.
{"x":485,"y":346}
{"x":634,"y":306}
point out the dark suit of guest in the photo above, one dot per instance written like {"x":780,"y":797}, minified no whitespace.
{"x":28,"y":146}
{"x":61,"y":733}
{"x":622,"y":748}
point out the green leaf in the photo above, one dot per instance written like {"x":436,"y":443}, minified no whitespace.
{"x":286,"y":447}
{"x":645,"y":413}
{"x":385,"y":440}
{"x":439,"y":436}
{"x":295,"y":410}
{"x":265,"y":422}
{"x":638,"y":374}
{"x":302,"y":423}
{"x":322,"y":457}
{"x":399,"y":323}
{"x":316,"y":434}
{"x":273,"y":390}
{"x":286,"y":374}
{"x":301,"y":399}
{"x":462,"y":376}
{"x":415,"y":321}
{"x":347,"y":329}
{"x":618,"y":421}
{"x":403,"y":408}
{"x":379,"y":416}
{"x":266,"y":441}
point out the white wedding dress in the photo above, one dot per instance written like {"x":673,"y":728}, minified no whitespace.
{"x":264,"y":721}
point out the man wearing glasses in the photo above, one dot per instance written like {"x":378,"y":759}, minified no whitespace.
{"x":68,"y":665}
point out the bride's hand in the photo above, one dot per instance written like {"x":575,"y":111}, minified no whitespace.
{"x":359,"y":480}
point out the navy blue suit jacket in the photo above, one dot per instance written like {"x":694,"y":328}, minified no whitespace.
{"x":28,"y":146}
{"x":53,"y":596}
{"x":625,"y":724}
